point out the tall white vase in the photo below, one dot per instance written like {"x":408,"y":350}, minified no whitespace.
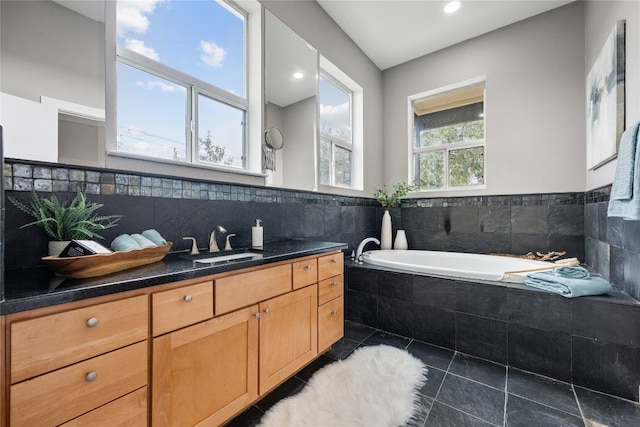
{"x":385,"y":233}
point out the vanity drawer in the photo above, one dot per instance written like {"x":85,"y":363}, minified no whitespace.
{"x":50,"y":342}
{"x":177,"y":308}
{"x":330,"y":323}
{"x":330,"y":265}
{"x":331,"y":288}
{"x":305,"y":273}
{"x":64,"y":394}
{"x":245,"y":289}
{"x":127,"y":411}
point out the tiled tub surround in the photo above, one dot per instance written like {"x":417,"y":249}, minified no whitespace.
{"x":612,"y":245}
{"x":593,"y":342}
{"x":514,"y":224}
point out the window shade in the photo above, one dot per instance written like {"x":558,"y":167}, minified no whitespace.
{"x":447,"y":100}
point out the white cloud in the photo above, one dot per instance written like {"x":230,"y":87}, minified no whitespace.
{"x":139,"y":47}
{"x":157,"y":84}
{"x":212,"y":54}
{"x":334,"y":110}
{"x":132,"y":16}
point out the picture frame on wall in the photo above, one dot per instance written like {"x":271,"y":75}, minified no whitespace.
{"x":605,"y":99}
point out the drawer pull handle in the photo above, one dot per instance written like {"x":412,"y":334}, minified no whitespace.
{"x":334,"y":284}
{"x":92,"y":322}
{"x":187,"y":298}
{"x":267,"y":311}
{"x":308,"y":267}
{"x":257,"y":315}
{"x":91,"y":376}
{"x":334,"y":312}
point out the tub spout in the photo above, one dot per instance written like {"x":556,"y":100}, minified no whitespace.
{"x":362,"y":245}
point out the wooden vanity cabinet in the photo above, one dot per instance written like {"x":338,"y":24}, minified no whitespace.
{"x":206,"y":373}
{"x":330,"y":300}
{"x":65,"y":363}
{"x":288,"y":335}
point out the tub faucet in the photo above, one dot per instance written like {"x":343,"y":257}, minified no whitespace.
{"x":213,"y":245}
{"x":362,"y":245}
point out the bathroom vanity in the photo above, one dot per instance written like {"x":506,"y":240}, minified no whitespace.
{"x":194,"y":351}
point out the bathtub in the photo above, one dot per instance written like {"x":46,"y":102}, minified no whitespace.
{"x":455,"y":264}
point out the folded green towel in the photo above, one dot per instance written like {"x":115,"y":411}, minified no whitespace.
{"x":142,"y":241}
{"x":567,"y":286}
{"x":124,"y":243}
{"x":155,"y":237}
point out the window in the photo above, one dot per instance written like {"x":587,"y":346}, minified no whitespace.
{"x":448,"y":138}
{"x":181,"y":81}
{"x":335,"y":133}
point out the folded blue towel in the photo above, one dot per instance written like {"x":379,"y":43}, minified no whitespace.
{"x":572,"y":272}
{"x":567,"y":286}
{"x":155,"y":237}
{"x":124,"y":243}
{"x":624,"y":200}
{"x":142,"y":241}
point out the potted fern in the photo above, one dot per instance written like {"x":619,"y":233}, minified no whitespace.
{"x":64,"y":221}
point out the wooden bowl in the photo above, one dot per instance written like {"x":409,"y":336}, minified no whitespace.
{"x":82,"y":267}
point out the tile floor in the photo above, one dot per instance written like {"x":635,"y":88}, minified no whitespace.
{"x":463,"y":391}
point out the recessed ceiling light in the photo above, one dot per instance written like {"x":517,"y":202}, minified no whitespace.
{"x":451,"y":7}
{"x":298,"y":75}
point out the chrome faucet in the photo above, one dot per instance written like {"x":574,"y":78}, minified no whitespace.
{"x":362,"y":245}
{"x":213,"y":245}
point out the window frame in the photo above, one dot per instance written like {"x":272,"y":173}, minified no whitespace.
{"x":415,"y":151}
{"x":193,"y":88}
{"x":335,"y":141}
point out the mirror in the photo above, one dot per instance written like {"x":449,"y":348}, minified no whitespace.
{"x":52,"y":63}
{"x":273,"y":138}
{"x":53,"y":79}
{"x":291,"y":69}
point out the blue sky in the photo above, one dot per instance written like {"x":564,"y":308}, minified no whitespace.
{"x":197,"y":37}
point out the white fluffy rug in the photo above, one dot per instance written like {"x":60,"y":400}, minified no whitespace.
{"x":375,"y":386}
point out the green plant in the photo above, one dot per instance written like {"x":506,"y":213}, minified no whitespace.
{"x":62,"y":220}
{"x":400,"y":190}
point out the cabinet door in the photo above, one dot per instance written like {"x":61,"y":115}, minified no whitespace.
{"x":206,"y":373}
{"x":288,"y":335}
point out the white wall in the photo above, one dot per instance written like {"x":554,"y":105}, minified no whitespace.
{"x":535,"y":125}
{"x":600,"y":17}
{"x":312,"y":23}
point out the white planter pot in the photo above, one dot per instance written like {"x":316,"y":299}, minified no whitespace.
{"x":401,"y":240}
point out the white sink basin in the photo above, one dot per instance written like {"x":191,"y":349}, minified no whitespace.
{"x":232,"y":257}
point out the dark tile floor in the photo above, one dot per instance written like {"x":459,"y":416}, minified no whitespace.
{"x":463,"y":391}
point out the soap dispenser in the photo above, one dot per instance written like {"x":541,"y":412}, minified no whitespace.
{"x":256,"y":235}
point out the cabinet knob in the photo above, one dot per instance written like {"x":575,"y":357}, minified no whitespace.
{"x":334,"y":284}
{"x":90,"y":376}
{"x":333,"y":261}
{"x":92,"y":322}
{"x":334,"y":312}
{"x":308,"y":267}
{"x":187,"y":298}
{"x":257,"y":315}
{"x":266,"y":311}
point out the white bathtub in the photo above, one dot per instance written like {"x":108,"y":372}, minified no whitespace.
{"x":455,"y":264}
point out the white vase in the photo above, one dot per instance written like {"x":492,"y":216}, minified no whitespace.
{"x":385,"y":233}
{"x":56,"y":246}
{"x":401,"y":240}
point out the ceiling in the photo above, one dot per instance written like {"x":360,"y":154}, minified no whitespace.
{"x":391,"y":32}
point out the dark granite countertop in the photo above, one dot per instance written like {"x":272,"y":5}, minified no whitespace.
{"x":40,"y":287}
